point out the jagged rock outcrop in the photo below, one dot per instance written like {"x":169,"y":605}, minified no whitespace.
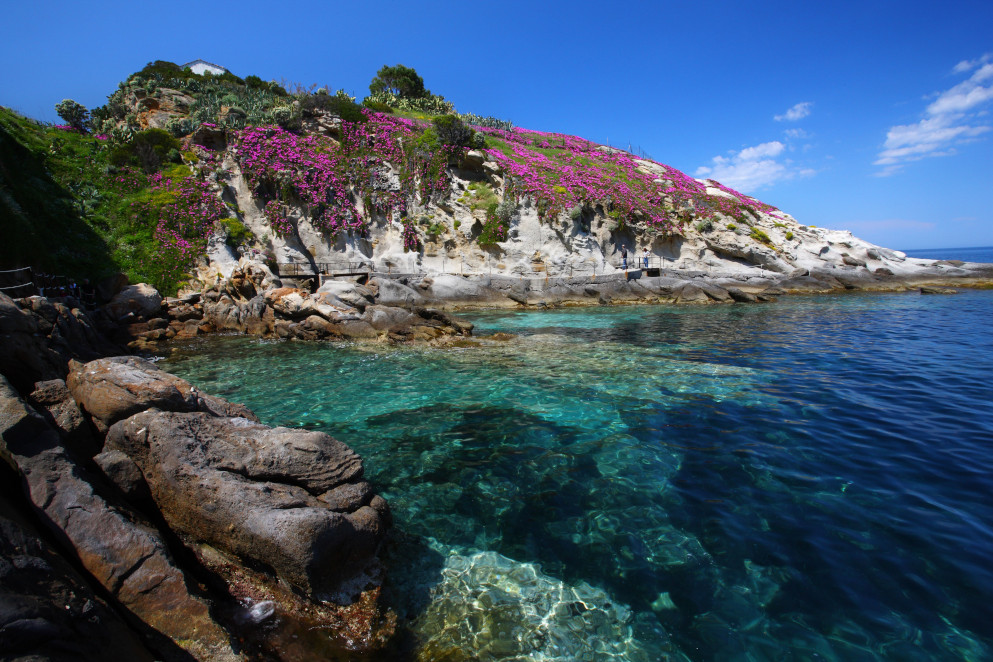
{"x":38,"y":337}
{"x":48,"y":610}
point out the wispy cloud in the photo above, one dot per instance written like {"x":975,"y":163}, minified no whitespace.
{"x":951,"y":119}
{"x":752,"y":168}
{"x":797,"y":112}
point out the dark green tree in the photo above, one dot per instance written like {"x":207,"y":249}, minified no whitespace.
{"x":400,"y":81}
{"x":74,"y":114}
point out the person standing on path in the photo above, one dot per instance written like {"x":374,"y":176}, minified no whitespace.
{"x":647,"y":254}
{"x":624,"y":257}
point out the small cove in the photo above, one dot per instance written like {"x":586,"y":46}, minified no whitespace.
{"x":809,"y":477}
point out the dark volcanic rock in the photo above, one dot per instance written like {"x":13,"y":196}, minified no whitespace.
{"x":64,"y":415}
{"x":47,"y":611}
{"x":252,"y":490}
{"x":37,"y":339}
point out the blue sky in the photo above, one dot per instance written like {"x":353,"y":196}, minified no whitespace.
{"x":869,"y":116}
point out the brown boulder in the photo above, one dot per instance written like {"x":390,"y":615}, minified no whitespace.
{"x":252,"y":491}
{"x":114,"y":388}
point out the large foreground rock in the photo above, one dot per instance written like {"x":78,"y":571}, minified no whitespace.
{"x":258,"y":492}
{"x":130,"y":559}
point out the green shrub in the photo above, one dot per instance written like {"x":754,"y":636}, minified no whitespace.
{"x":451,"y":131}
{"x":505,"y":211}
{"x":706,"y":225}
{"x":789,"y":236}
{"x":238,"y":233}
{"x":428,"y":141}
{"x":732,"y":227}
{"x":483,"y":196}
{"x":334,"y":104}
{"x":576,"y":212}
{"x":494,"y":229}
{"x":149,"y":149}
{"x":74,"y":114}
{"x":760,"y":236}
{"x":377,"y":106}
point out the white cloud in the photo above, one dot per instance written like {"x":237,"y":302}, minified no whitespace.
{"x":969,"y":65}
{"x":752,"y":168}
{"x":951,"y":119}
{"x":796,"y":133}
{"x":797,"y":112}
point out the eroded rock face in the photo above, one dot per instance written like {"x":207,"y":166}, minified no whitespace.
{"x":254,"y":491}
{"x":38,"y":337}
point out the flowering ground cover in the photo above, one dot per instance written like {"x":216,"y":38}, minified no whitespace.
{"x":558,"y":171}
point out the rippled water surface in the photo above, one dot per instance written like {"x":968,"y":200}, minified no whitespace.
{"x":810,"y":479}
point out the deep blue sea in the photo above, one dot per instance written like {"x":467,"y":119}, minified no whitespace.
{"x":810,"y":479}
{"x":975,"y":254}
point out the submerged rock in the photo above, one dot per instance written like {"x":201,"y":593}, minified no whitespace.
{"x":487,"y":607}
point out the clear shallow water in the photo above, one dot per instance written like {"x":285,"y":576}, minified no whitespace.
{"x":804,"y":480}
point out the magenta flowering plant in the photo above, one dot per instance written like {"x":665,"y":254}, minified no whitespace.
{"x":329,"y":177}
{"x":277,"y":220}
{"x":411,"y":238}
{"x":185,"y":211}
{"x":557,"y":171}
{"x":494,"y":230}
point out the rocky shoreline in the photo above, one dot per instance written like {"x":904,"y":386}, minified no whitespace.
{"x":144,"y":519}
{"x":415,"y":307}
{"x":149,"y":520}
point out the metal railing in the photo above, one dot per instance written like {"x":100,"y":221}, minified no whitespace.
{"x":47,"y":285}
{"x":338,"y":268}
{"x":589,"y":269}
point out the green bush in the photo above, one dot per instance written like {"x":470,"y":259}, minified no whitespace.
{"x":377,"y":106}
{"x":74,"y":114}
{"x":238,"y":233}
{"x":760,"y":236}
{"x":399,"y":81}
{"x":789,"y":236}
{"x":451,"y":131}
{"x":428,"y":141}
{"x":336,"y":104}
{"x":505,"y":212}
{"x":148,"y":149}
{"x":705,"y":225}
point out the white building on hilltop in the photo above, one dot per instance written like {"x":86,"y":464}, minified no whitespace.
{"x":200,"y":67}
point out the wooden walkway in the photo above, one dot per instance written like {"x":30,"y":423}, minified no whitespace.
{"x":329,"y":269}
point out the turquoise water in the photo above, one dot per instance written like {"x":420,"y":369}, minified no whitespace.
{"x":809,"y":479}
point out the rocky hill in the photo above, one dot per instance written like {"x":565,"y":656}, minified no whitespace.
{"x":184,"y":174}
